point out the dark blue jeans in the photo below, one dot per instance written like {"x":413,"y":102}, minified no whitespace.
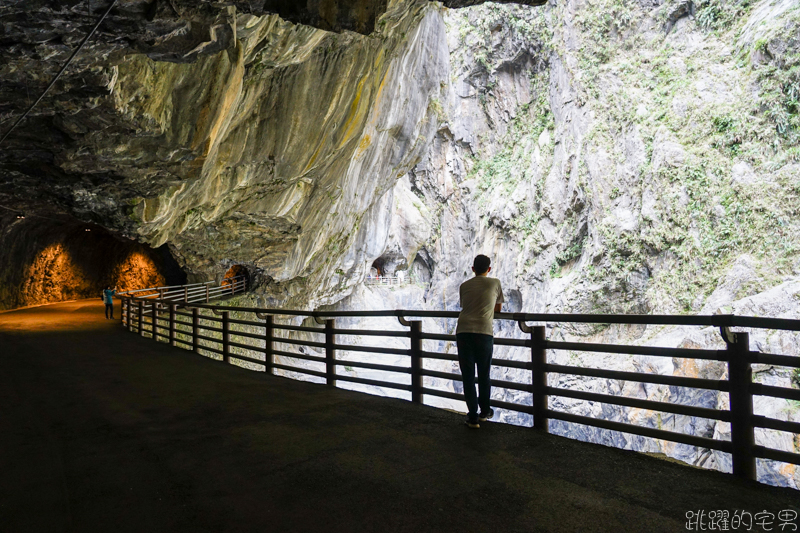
{"x":475,"y":349}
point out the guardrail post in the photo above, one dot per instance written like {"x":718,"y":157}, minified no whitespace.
{"x":416,"y":361}
{"x":172,"y":324}
{"x":226,"y":337}
{"x":154,"y":315}
{"x":740,"y":377}
{"x":126,"y":304}
{"x":186,"y":295}
{"x":269,"y":343}
{"x":207,"y":296}
{"x":140,"y":313}
{"x":195,"y":330}
{"x":539,"y":378}
{"x":330,"y":353}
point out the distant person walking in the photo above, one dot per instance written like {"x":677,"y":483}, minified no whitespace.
{"x":481,"y":297}
{"x":108,"y":299}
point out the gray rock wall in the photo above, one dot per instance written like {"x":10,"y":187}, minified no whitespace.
{"x":604,"y":177}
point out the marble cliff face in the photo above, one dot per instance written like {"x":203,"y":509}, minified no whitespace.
{"x":624,"y":156}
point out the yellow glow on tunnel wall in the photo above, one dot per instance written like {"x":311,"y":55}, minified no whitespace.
{"x":137,"y":271}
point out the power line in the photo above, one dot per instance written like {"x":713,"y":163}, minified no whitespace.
{"x":75,"y":53}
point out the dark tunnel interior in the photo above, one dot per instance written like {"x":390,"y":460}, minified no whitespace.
{"x":53,"y":259}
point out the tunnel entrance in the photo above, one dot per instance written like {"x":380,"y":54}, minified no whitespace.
{"x":45,"y":260}
{"x":236,"y":271}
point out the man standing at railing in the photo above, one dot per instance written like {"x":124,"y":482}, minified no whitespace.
{"x":108,"y":299}
{"x":481,"y":297}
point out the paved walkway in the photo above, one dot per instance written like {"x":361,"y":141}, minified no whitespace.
{"x":101,"y":430}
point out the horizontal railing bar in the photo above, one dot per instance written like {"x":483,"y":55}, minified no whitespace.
{"x":210,"y":339}
{"x":520,"y":408}
{"x":691,"y":440}
{"x":194,"y":290}
{"x":299,"y":370}
{"x":495,"y":382}
{"x":709,"y":355}
{"x":374,"y":366}
{"x":441,"y":375}
{"x":510,"y":363}
{"x":774,"y":359}
{"x":775,"y":392}
{"x":246,"y":346}
{"x":209,"y":317}
{"x":443,"y":394}
{"x":246,"y":322}
{"x":373,"y":382}
{"x":772,"y":423}
{"x":167,"y":287}
{"x":187,"y":343}
{"x":247,"y":334}
{"x":439,"y":356}
{"x":299,"y":343}
{"x":678,"y":409}
{"x":248,"y":359}
{"x":215,"y":290}
{"x":371,"y":349}
{"x":676,"y":320}
{"x":520,"y":343}
{"x":299,"y":356}
{"x":369,"y":332}
{"x":776,"y":455}
{"x":513,"y":385}
{"x":765,"y":323}
{"x":309,"y":329}
{"x":438,"y":337}
{"x":181,"y":313}
{"x":211,"y":328}
{"x":676,"y":381}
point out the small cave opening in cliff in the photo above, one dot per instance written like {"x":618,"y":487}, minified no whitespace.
{"x":49,"y":260}
{"x":388,"y":265}
{"x":236,"y":271}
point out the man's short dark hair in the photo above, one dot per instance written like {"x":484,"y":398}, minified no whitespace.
{"x":481,"y":264}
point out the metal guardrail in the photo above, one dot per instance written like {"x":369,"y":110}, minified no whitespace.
{"x":391,"y":281}
{"x":193,"y":293}
{"x":143,"y":314}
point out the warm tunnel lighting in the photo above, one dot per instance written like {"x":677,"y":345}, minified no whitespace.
{"x":136,"y":271}
{"x":80,"y":265}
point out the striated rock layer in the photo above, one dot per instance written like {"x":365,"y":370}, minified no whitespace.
{"x":274,"y":147}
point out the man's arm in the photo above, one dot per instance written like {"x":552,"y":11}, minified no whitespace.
{"x":500,"y":299}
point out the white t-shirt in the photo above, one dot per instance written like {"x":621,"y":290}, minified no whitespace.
{"x":478,"y":298}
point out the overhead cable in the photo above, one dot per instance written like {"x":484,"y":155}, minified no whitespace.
{"x":75,"y":53}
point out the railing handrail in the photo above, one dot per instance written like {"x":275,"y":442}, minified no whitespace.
{"x":722,"y":321}
{"x":125,"y":293}
{"x":213,"y":333}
